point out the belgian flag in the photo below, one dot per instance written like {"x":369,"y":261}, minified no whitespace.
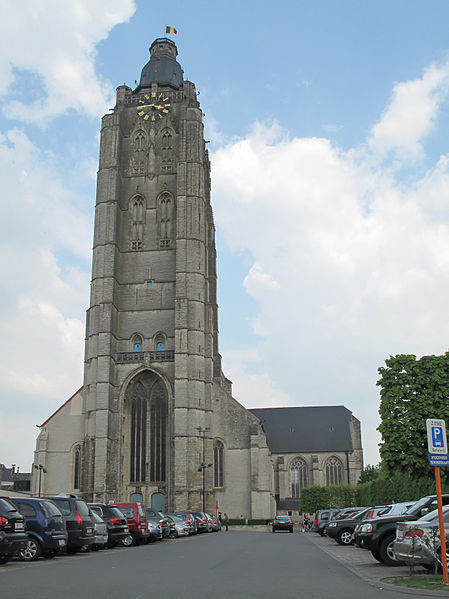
{"x":170,"y":29}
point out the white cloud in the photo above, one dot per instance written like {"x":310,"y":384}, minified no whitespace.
{"x":57,"y":43}
{"x":349,"y":265}
{"x":411,"y":114}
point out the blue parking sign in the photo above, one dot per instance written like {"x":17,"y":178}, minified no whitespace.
{"x":436,"y":436}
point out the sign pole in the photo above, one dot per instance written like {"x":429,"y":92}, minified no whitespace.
{"x":441,"y":523}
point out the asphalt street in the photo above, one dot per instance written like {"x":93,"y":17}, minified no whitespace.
{"x":230,"y":565}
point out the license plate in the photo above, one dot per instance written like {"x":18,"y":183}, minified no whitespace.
{"x":61,"y":542}
{"x":89,"y":531}
{"x":18,"y":526}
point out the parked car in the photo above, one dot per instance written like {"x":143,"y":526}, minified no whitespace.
{"x":135,"y":515}
{"x":45,"y":527}
{"x":101,"y":533}
{"x":78,"y":521}
{"x":158,"y":518}
{"x":417,"y":542}
{"x":179,"y":528}
{"x":202,"y":520}
{"x":191,"y":518}
{"x":379,"y":534}
{"x":155,"y":530}
{"x":282,"y":523}
{"x":320,"y":521}
{"x":115,"y":521}
{"x":341,"y":530}
{"x":12,"y":530}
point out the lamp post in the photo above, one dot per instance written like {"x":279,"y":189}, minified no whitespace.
{"x":41,"y":470}
{"x":203,"y":464}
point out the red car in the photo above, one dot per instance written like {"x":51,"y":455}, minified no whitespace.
{"x":137,"y":522}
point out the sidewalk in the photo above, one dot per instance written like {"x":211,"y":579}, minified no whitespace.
{"x":364,"y":565}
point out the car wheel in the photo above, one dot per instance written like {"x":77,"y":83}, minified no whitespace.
{"x":375,"y":554}
{"x":4,"y":558}
{"x":49,"y":554}
{"x":321,"y":533}
{"x":386,"y":553}
{"x":72,"y":550}
{"x":31,"y":552}
{"x":273,"y":530}
{"x":128,"y":541}
{"x":344,"y":537}
{"x":111,"y":544}
{"x":291,"y":529}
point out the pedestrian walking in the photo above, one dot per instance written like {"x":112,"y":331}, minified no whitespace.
{"x":226,"y":521}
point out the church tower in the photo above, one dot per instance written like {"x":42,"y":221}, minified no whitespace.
{"x":151,"y":332}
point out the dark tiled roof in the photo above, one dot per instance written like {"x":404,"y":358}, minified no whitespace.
{"x":306,"y":429}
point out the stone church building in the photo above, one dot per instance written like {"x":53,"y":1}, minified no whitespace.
{"x":155,"y":419}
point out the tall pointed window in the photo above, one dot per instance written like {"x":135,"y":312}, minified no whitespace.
{"x":77,"y":468}
{"x":138,"y":159}
{"x":138,"y":434}
{"x":147,"y":411}
{"x":137,"y":216}
{"x":298,"y":476}
{"x":334,"y":471}
{"x":137,"y":343}
{"x":165,"y":220}
{"x":218,"y":464}
{"x":158,"y":433}
{"x":166,"y":157}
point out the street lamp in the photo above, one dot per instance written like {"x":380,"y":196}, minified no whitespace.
{"x":41,"y":470}
{"x":203,"y":465}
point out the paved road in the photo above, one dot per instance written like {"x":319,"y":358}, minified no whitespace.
{"x":233,"y":565}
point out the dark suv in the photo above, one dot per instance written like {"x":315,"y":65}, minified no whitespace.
{"x":115,"y":521}
{"x":12,"y":530}
{"x":44,"y":525}
{"x":78,"y":520}
{"x":378,"y":534}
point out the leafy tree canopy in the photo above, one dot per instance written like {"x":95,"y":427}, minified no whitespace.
{"x":412,"y":390}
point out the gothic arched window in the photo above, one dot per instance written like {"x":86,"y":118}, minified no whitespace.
{"x":218,"y":464}
{"x":77,"y":468}
{"x":159,"y":342}
{"x":166,"y":154}
{"x":147,"y":416}
{"x":334,"y":471}
{"x":137,"y":222}
{"x":138,"y":161}
{"x":158,"y":420}
{"x":165,"y":219}
{"x":298,"y":476}
{"x":137,"y":343}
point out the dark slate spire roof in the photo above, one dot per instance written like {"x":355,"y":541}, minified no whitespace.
{"x":306,"y":429}
{"x":162,"y":67}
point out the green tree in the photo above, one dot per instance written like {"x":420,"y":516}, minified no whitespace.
{"x":369,"y":473}
{"x":411,"y":391}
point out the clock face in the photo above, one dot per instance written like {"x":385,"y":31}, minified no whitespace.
{"x":153,"y":107}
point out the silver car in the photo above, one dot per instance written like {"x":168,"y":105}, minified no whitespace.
{"x":418,"y":543}
{"x":101,"y":533}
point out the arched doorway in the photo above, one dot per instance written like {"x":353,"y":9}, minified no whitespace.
{"x":158,"y":502}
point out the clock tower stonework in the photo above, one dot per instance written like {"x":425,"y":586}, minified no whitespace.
{"x":153,"y":378}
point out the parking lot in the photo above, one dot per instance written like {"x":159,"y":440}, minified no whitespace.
{"x":235,"y":564}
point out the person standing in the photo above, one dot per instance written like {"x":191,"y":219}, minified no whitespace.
{"x":226,"y":521}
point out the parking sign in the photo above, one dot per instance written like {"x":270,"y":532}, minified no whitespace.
{"x":436,"y":436}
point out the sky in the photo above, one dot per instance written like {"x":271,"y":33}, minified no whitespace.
{"x":328,"y":129}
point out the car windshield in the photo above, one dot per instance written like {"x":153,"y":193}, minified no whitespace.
{"x":127,"y":511}
{"x":63,"y":505}
{"x":115,"y":512}
{"x":416,"y":508}
{"x":82,"y":507}
{"x":6,"y":506}
{"x":432,"y":517}
{"x":50,"y":509}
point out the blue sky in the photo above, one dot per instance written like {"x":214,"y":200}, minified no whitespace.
{"x":328,"y":137}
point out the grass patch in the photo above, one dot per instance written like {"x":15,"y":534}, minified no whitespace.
{"x":428,"y":582}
